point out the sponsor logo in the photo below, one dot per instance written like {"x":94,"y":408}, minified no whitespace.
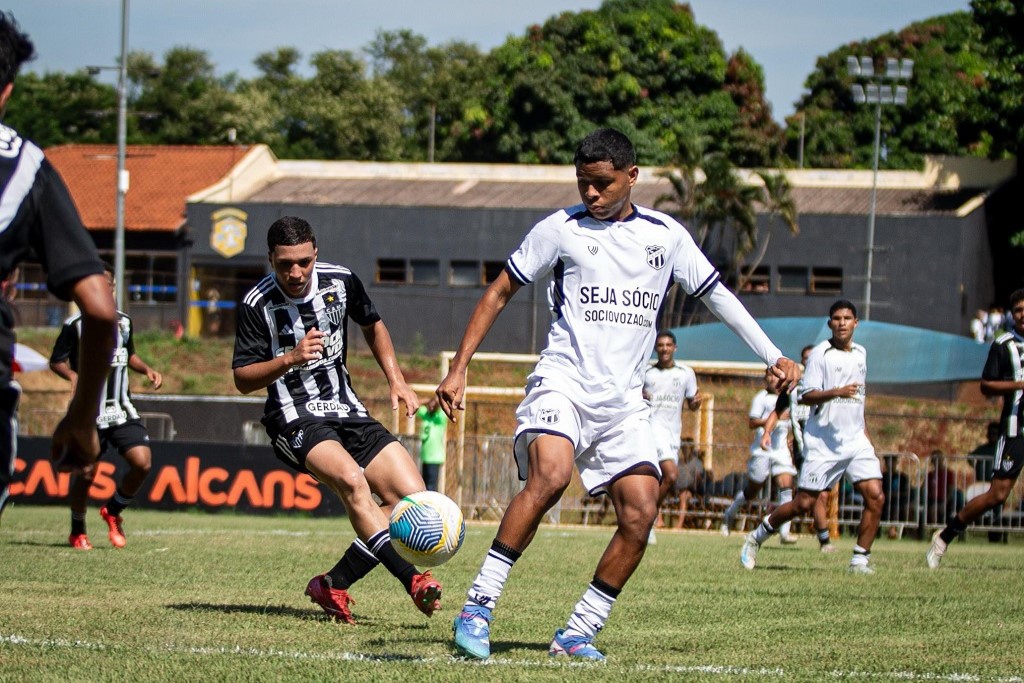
{"x":592,"y":249}
{"x":322,"y":407}
{"x":111,"y":415}
{"x":549,"y":416}
{"x":655,"y":256}
{"x":228,"y":232}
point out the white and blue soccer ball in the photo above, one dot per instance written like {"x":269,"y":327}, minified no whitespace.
{"x":427,"y":528}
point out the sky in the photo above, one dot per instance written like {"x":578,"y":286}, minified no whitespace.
{"x":784,"y":36}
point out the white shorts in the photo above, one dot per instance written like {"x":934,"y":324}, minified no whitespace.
{"x":666,"y":445}
{"x":822,"y":467}
{"x":764,"y":464}
{"x":607,"y":444}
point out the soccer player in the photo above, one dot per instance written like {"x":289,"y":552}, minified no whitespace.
{"x":292,"y":340}
{"x":117,"y":421}
{"x":667,"y":385}
{"x":37,"y":215}
{"x":1003,"y":375}
{"x":798,"y":414}
{"x":771,"y":460}
{"x":612,"y":262}
{"x":836,"y":439}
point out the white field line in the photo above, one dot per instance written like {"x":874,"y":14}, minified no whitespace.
{"x":711,"y":669}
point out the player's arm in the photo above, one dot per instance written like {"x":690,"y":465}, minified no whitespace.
{"x":140,"y":366}
{"x":693,"y":402}
{"x":1000,"y":387}
{"x":379,"y":340}
{"x":261,"y":374}
{"x":816,"y":397}
{"x":450,"y":392}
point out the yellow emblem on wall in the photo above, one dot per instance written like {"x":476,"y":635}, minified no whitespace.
{"x":227,"y":236}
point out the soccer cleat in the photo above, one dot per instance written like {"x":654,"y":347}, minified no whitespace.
{"x":936,"y":551}
{"x":333,"y":601}
{"x":828,"y":548}
{"x":748,"y":555}
{"x":426,"y":593}
{"x":574,"y":646}
{"x":116,"y":525}
{"x":651,"y":538}
{"x":79,"y":542}
{"x":472,"y":629}
{"x":787,"y":539}
{"x":727,"y":521}
{"x":860,"y":569}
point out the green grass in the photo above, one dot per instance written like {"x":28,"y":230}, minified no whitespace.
{"x":219,"y":598}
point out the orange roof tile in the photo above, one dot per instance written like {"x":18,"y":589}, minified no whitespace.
{"x":161,"y":177}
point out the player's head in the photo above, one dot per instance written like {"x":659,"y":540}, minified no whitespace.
{"x":805,"y":353}
{"x":1017,"y":310}
{"x":292,"y":252}
{"x":665,"y":348}
{"x":842,"y":320}
{"x":606,"y":171}
{"x":15,"y":50}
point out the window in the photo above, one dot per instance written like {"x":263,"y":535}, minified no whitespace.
{"x":150,"y":279}
{"x":464,"y":274}
{"x":391,"y":270}
{"x":793,"y":279}
{"x":425,"y":272}
{"x":492,"y":269}
{"x":756,"y":280}
{"x":826,"y":280}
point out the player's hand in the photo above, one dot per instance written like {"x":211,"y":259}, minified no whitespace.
{"x":75,"y":445}
{"x":695,"y":402}
{"x":783,"y":375}
{"x":309,"y":349}
{"x":403,"y":393}
{"x":766,"y":441}
{"x":848,"y":391}
{"x":451,"y":394}
{"x":155,"y":378}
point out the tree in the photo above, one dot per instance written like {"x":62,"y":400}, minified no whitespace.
{"x":1002,"y":24}
{"x":59,"y":108}
{"x":777,"y":202}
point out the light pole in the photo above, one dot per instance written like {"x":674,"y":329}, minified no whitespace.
{"x":876,"y":91}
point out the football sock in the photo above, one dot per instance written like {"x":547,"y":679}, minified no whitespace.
{"x":763,"y":531}
{"x":356,"y":563}
{"x":785,"y":495}
{"x":490,"y":582}
{"x":952,"y":530}
{"x":380,"y":545}
{"x":78,"y":522}
{"x":591,"y":612}
{"x":860,"y":556}
{"x":735,"y":505}
{"x":824,"y":538}
{"x":117,"y":504}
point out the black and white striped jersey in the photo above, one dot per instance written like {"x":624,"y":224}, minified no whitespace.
{"x":37,"y":215}
{"x":270,"y":324}
{"x":117,"y":407}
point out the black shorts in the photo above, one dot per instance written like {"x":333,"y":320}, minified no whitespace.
{"x":123,"y":437}
{"x":362,"y":438}
{"x":1009,"y":458}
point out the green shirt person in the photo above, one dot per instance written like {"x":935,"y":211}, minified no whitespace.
{"x":433,"y":444}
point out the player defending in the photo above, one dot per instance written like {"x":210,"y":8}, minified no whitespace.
{"x":612,"y":262}
{"x":37,"y":214}
{"x":1003,"y":375}
{"x":836,"y":439}
{"x":667,"y":386}
{"x":117,"y":421}
{"x":292,"y":340}
{"x":769,"y":457}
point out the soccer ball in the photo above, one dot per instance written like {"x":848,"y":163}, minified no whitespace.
{"x":427,"y":528}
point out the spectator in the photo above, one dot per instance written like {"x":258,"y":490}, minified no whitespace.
{"x":985,"y":454}
{"x":433,"y":442}
{"x":690,"y":480}
{"x":978,"y":324}
{"x":941,"y":487}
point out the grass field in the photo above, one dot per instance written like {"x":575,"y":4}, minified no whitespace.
{"x":203,"y":597}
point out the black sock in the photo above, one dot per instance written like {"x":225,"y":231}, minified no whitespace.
{"x":77,"y":522}
{"x":118,"y":502}
{"x":952,"y":530}
{"x":380,"y":545}
{"x":605,"y":588}
{"x":356,"y":563}
{"x":506,"y":551}
{"x":824,"y":538}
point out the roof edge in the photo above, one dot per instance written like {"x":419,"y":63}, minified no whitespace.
{"x":257,"y":167}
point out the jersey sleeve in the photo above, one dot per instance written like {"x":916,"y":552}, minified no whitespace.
{"x":691,"y":267}
{"x":814,"y":374}
{"x":129,"y":345}
{"x":360,"y":307}
{"x":995,"y":368}
{"x":690,"y":387}
{"x":57,"y":235}
{"x":66,"y":346}
{"x":757,"y":406}
{"x":252,"y":338}
{"x":538,"y":253}
{"x":782,"y":403}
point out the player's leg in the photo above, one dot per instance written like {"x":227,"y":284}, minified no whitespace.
{"x":669,"y":475}
{"x":784,"y":484}
{"x":820,"y":516}
{"x":78,"y":496}
{"x":132,"y":442}
{"x":683,"y":506}
{"x":758,"y":471}
{"x":10,"y":394}
{"x":874,"y":500}
{"x":997,"y":493}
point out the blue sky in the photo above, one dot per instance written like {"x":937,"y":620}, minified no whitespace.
{"x":784,"y":36}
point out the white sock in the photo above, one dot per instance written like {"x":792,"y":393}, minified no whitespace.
{"x":763,"y":531}
{"x":785,"y":495}
{"x":490,"y":582}
{"x":590,"y":613}
{"x":734,"y":507}
{"x":860,"y":556}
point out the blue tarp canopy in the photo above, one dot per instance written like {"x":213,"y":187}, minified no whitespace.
{"x":896,"y":353}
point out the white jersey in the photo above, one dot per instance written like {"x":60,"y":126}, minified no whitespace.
{"x":610,"y":278}
{"x":666,"y":389}
{"x":838,"y":420}
{"x":761,"y":407}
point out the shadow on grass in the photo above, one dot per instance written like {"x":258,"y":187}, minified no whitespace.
{"x":55,"y":544}
{"x":509,"y":645}
{"x":309,"y":614}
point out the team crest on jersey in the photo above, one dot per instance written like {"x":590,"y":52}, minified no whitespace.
{"x":656,"y":256}
{"x":10,"y":142}
{"x":228,"y":233}
{"x":333,"y":308}
{"x":296,"y":440}
{"x":592,"y":249}
{"x":549,"y":416}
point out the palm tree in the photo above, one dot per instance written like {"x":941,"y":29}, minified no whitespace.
{"x":777,"y":201}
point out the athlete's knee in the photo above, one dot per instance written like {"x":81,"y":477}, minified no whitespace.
{"x":141,"y":461}
{"x":546,"y":491}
